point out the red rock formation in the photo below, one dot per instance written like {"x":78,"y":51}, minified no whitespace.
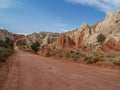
{"x":80,"y":38}
{"x":18,"y":36}
{"x":94,"y":27}
{"x":111,"y":46}
{"x":65,"y":41}
{"x":22,"y":42}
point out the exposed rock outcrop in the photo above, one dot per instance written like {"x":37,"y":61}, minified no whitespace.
{"x":18,"y":36}
{"x":42,"y":35}
{"x":109,"y":27}
{"x":46,"y":40}
{"x":111,"y":46}
{"x":4,"y":34}
{"x":64,"y":41}
{"x":85,"y":35}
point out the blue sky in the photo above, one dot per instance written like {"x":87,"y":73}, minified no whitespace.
{"x":28,"y":16}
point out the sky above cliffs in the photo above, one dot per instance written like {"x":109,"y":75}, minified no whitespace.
{"x":28,"y":16}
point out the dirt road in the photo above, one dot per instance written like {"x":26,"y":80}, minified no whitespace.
{"x":32,"y":72}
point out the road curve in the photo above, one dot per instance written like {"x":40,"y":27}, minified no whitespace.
{"x":32,"y":72}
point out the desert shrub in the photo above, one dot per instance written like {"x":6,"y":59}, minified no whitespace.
{"x":59,"y":50}
{"x":60,"y":56}
{"x":35,"y":46}
{"x":68,"y":55}
{"x":5,"y":53}
{"x":48,"y":54}
{"x":111,"y":55}
{"x":9,"y":42}
{"x":92,"y":59}
{"x":75,"y":57}
{"x":95,"y":54}
{"x":73,"y":54}
{"x":7,"y":49}
{"x":101,"y":38}
{"x":95,"y":59}
{"x":2,"y":43}
{"x":88,"y":59}
{"x":117,"y":62}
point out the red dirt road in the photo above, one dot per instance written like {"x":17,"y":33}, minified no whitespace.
{"x":32,"y":72}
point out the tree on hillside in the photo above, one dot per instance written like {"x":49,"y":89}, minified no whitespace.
{"x":101,"y":38}
{"x":9,"y":42}
{"x":35,"y":46}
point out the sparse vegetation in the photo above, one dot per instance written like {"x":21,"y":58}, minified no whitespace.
{"x":75,"y":55}
{"x":117,"y":62}
{"x":48,"y":54}
{"x":35,"y":46}
{"x":6,"y":49}
{"x":92,"y":59}
{"x":101,"y":38}
{"x":5,"y":53}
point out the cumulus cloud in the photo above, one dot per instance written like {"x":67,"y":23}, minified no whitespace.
{"x":7,"y":3}
{"x":103,"y":5}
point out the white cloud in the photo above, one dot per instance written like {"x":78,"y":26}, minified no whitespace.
{"x":7,"y":3}
{"x":103,"y":5}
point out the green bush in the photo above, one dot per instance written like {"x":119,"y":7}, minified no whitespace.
{"x":101,"y":38}
{"x":35,"y":46}
{"x":5,"y":53}
{"x":7,"y":49}
{"x":7,"y":44}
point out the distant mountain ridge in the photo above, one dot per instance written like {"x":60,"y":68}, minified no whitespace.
{"x":29,"y":39}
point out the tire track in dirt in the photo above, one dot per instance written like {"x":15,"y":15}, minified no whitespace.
{"x":12,"y":82}
{"x":32,"y":72}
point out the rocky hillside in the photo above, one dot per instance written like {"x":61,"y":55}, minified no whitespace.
{"x":4,"y":34}
{"x":87,"y":35}
{"x":42,"y":37}
{"x":87,"y":38}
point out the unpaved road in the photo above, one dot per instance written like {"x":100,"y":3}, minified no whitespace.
{"x":32,"y":72}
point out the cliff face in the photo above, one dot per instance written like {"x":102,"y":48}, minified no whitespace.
{"x":111,"y":46}
{"x":64,"y":41}
{"x":110,"y":27}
